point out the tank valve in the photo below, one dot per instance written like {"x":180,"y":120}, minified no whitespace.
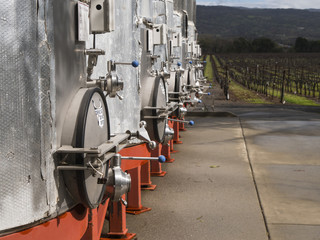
{"x":191,"y":123}
{"x":182,"y":112}
{"x":152,"y":145}
{"x":113,"y":83}
{"x":168,"y":134}
{"x":200,"y":93}
{"x":118,"y":182}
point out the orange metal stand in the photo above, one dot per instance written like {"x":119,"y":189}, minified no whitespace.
{"x":96,"y":220}
{"x":134,"y":168}
{"x":134,"y":196}
{"x":176,"y":137}
{"x":117,"y":223}
{"x":171,"y":141}
{"x":182,"y":128}
{"x":171,"y":147}
{"x":167,"y":152}
{"x":70,"y":225}
{"x":156,"y":170}
{"x":146,"y":183}
{"x":86,"y":224}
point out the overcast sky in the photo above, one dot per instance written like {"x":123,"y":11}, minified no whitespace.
{"x":301,"y":4}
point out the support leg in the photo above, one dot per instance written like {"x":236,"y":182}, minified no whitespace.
{"x":166,"y":152}
{"x":146,"y":183}
{"x":176,"y":138}
{"x":155,"y":165}
{"x":117,"y":223}
{"x":96,"y":220}
{"x":134,"y":195}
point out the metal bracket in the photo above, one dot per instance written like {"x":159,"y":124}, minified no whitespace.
{"x":148,"y":23}
{"x":154,"y":58}
{"x":106,"y":150}
{"x":93,"y":59}
{"x":164,"y":112}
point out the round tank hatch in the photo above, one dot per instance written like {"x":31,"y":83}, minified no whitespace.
{"x":88,"y":122}
{"x":189,"y":78}
{"x":177,"y":84}
{"x":159,"y":100}
{"x":177,"y":88}
{"x":92,"y":130}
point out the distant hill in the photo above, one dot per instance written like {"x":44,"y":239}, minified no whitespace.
{"x":280,"y":25}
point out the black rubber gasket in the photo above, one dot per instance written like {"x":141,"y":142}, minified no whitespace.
{"x":189,"y":78}
{"x":154,"y":111}
{"x":177,"y":88}
{"x":80,"y":136}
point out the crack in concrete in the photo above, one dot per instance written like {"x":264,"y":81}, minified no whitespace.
{"x":254,"y":181}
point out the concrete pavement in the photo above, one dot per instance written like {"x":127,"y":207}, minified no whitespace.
{"x":210,"y":192}
{"x":284,"y":148}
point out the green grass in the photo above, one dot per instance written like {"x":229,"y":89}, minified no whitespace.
{"x":295,"y":99}
{"x":216,"y":61}
{"x":250,"y":96}
{"x":240,"y":92}
{"x":208,"y":72}
{"x":245,"y":94}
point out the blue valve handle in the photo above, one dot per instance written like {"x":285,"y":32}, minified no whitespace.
{"x":161,"y":159}
{"x":191,"y":123}
{"x":135,"y":63}
{"x":209,"y":93}
{"x":199,"y":101}
{"x":179,"y":64}
{"x":190,"y":62}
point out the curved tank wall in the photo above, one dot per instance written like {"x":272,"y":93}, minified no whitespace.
{"x":41,"y":71}
{"x":122,"y":45}
{"x":43,"y":66}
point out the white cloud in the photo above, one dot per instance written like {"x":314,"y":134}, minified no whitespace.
{"x":264,"y":3}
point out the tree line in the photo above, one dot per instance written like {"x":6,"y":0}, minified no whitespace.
{"x":210,"y":45}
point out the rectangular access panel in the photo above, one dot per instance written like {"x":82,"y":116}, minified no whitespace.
{"x":102,"y":15}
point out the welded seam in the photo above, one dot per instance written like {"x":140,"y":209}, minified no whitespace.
{"x":254,"y":181}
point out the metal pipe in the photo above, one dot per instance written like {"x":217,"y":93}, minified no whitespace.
{"x":161,"y":158}
{"x":182,"y":121}
{"x":140,"y":158}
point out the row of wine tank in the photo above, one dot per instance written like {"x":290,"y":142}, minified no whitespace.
{"x":80,"y":80}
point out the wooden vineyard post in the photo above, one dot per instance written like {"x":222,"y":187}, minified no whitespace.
{"x":282,"y":87}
